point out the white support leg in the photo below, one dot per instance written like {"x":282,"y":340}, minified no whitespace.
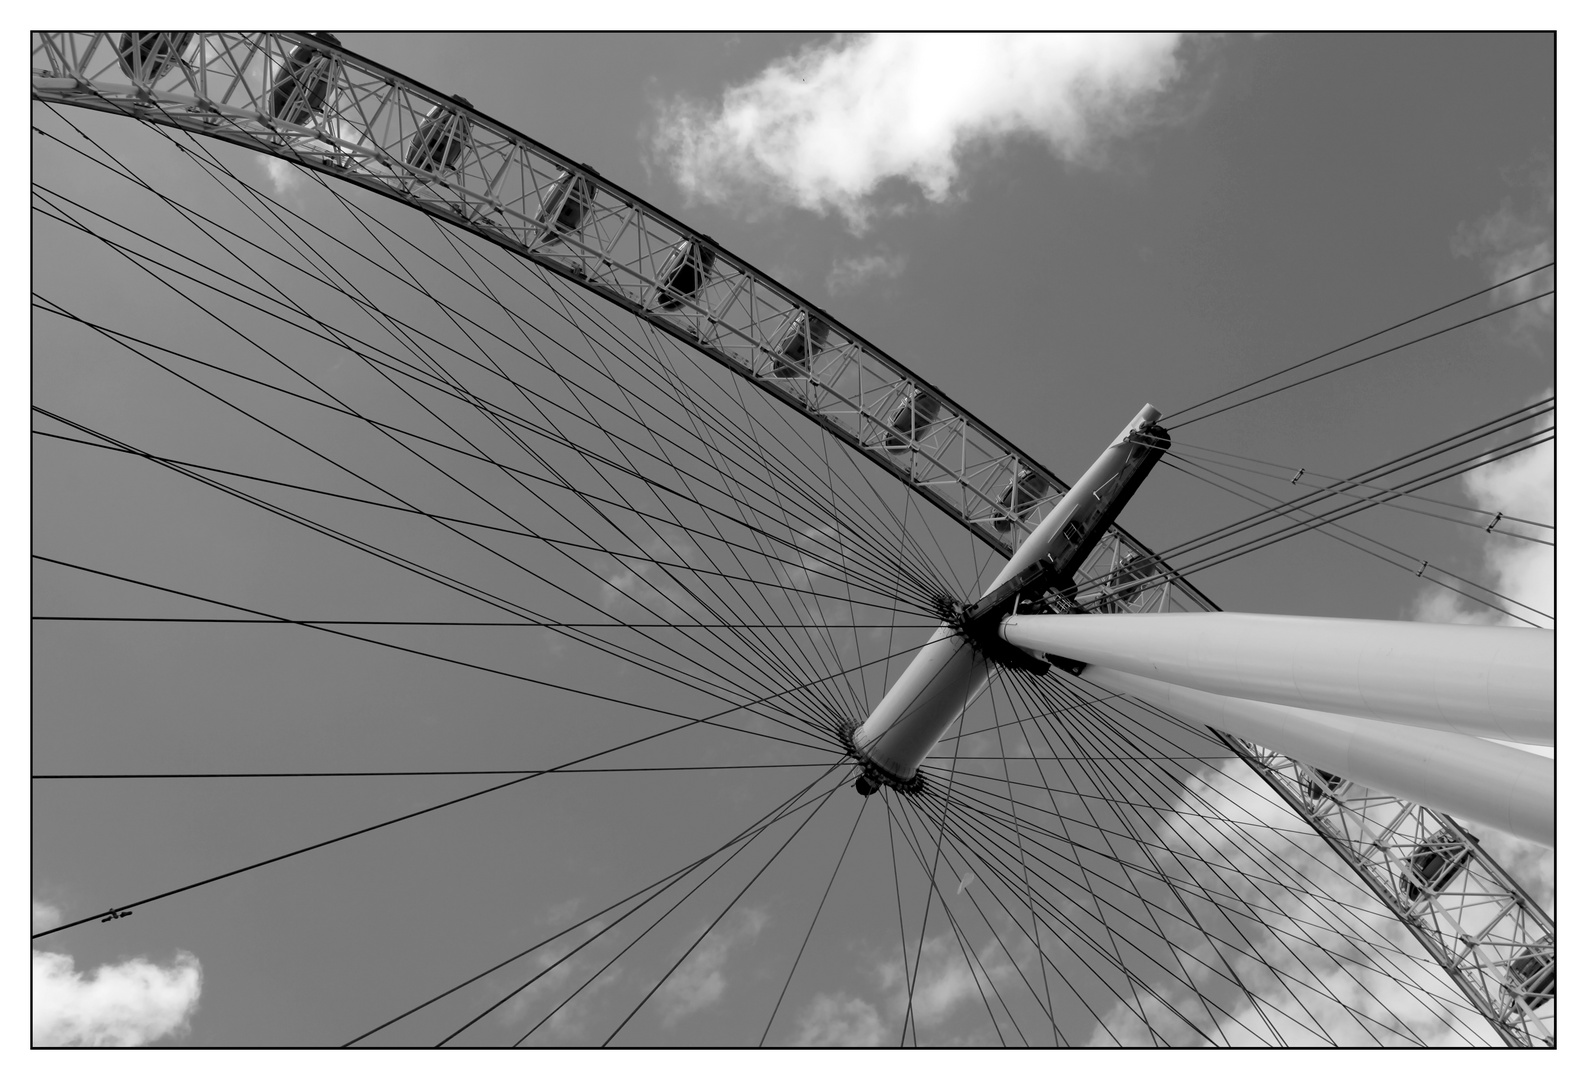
{"x":1496,"y":682}
{"x":1469,"y":778}
{"x":940,"y":682}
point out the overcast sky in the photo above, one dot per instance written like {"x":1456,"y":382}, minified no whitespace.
{"x":1054,"y":232}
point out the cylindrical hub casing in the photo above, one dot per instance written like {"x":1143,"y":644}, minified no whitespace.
{"x":940,"y":682}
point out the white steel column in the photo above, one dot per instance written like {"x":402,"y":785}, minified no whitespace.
{"x":1460,"y":775}
{"x":1492,"y":681}
{"x":939,"y":684}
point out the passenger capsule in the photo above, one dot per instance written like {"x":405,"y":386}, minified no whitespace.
{"x":303,"y":83}
{"x":1325,"y":782}
{"x":145,"y":55}
{"x":684,"y":274}
{"x":442,"y":137}
{"x":1023,"y":492}
{"x":1126,"y":581}
{"x":1434,"y":865}
{"x":1532,"y":978}
{"x":797,"y":346}
{"x":569,"y":199}
{"x":910,"y":420}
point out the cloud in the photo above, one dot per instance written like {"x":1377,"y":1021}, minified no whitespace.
{"x":1346,"y":981}
{"x":822,"y":558}
{"x":824,"y":129}
{"x":565,"y":972}
{"x":945,"y":981}
{"x":1515,"y":238}
{"x":557,"y":914}
{"x":44,"y":915}
{"x":1532,"y":865}
{"x":840,"y":1020}
{"x":1521,"y":486}
{"x":659,"y":586}
{"x":943,"y":984}
{"x":701,"y":981}
{"x":131,"y":1003}
{"x":848,"y":274}
{"x":557,"y":643}
{"x":284,"y":176}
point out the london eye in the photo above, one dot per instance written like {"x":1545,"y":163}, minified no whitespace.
{"x":474,"y":607}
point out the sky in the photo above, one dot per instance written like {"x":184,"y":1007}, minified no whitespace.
{"x":1055,"y":233}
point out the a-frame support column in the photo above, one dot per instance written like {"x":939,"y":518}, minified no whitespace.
{"x":1493,"y":681}
{"x":1473,"y":779}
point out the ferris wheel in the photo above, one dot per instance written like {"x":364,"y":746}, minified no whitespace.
{"x":500,"y":606}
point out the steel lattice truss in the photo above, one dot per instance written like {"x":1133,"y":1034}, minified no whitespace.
{"x":1493,"y":939}
{"x":311,"y":102}
{"x":368,"y":125}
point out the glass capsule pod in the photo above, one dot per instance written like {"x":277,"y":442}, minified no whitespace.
{"x":1325,"y":782}
{"x":303,"y":84}
{"x":567,"y":202}
{"x":1125,"y":582}
{"x":1023,"y":492}
{"x":443,"y":135}
{"x":1532,"y":977}
{"x":684,"y":274}
{"x":910,"y":419}
{"x":795,"y":346}
{"x":146,"y":55}
{"x":1434,"y":865}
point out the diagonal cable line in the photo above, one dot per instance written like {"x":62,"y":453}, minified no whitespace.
{"x":787,"y":806}
{"x":730,"y":905}
{"x":1362,"y":340}
{"x":813,"y":920}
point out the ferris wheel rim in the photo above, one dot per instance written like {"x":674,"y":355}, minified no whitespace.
{"x":283,"y":150}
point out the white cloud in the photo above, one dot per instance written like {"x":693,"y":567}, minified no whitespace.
{"x":569,"y":1024}
{"x":824,"y":129}
{"x":557,"y":914}
{"x":130,"y":1003}
{"x":1532,"y":865}
{"x":702,"y":980}
{"x":1520,"y":486}
{"x":44,"y":915}
{"x":1515,"y":238}
{"x":127,"y":1004}
{"x":945,"y":981}
{"x":943,"y":984}
{"x":660,"y":586}
{"x":848,"y":274}
{"x":284,"y":176}
{"x":1353,"y":993}
{"x":840,"y":1020}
